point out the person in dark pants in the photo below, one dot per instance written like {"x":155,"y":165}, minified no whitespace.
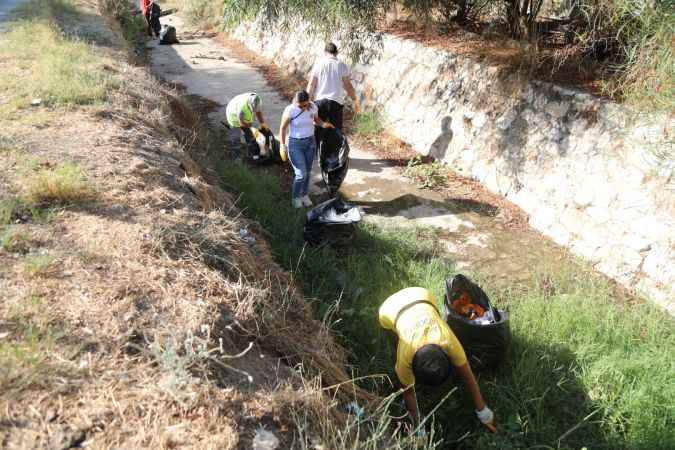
{"x":328,"y":82}
{"x":151,"y":12}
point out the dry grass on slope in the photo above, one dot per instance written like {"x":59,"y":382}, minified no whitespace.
{"x":137,"y":316}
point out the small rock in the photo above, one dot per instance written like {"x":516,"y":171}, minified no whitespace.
{"x":4,"y":335}
{"x":36,"y":102}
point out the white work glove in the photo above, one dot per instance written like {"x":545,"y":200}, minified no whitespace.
{"x":487,"y":418}
{"x":421,"y":438}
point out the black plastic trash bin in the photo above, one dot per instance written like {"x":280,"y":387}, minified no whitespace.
{"x":331,"y":222}
{"x":486,"y":345}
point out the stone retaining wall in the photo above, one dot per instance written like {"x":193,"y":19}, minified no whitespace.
{"x":582,"y":168}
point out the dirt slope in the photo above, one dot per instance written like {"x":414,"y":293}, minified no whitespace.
{"x":122,"y":307}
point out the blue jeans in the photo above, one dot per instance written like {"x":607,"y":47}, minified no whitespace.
{"x":301,"y":154}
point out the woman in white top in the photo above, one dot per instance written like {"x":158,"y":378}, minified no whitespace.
{"x":300,"y":116}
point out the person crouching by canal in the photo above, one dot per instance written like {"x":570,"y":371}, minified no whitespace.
{"x":240,"y":111}
{"x":300,"y":116}
{"x":426,"y":349}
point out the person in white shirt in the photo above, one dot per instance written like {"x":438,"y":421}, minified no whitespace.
{"x":328,"y":81}
{"x":300,"y":117}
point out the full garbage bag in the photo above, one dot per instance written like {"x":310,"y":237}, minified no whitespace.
{"x":333,"y":158}
{"x":482,"y":330}
{"x":331,"y":222}
{"x":167,"y":35}
{"x":264,"y":148}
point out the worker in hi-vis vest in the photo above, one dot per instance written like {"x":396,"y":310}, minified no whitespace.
{"x":240,"y":112}
{"x":426,"y":350}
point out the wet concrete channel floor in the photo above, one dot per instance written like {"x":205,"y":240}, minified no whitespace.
{"x":478,"y":239}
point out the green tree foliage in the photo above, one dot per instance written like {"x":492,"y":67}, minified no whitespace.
{"x":459,"y":11}
{"x":354,"y":22}
{"x":632,"y":39}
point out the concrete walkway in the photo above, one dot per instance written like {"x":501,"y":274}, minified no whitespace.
{"x":476,"y":239}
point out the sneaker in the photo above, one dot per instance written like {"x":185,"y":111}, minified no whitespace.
{"x":306,"y":201}
{"x":297,"y":203}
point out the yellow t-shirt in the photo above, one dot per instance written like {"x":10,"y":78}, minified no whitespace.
{"x":417,"y":326}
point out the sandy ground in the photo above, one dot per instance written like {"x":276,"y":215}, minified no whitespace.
{"x":476,"y":234}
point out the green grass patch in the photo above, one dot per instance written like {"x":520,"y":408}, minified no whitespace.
{"x":65,"y":183}
{"x":26,"y":355}
{"x":19,"y":209}
{"x":368,"y":123}
{"x":14,"y":240}
{"x":42,"y":62}
{"x":26,"y":363}
{"x":8,"y":206}
{"x":585,"y":371}
{"x":41,"y":265}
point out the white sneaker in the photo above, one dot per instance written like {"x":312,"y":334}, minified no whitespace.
{"x":297,"y":203}
{"x":306,"y":201}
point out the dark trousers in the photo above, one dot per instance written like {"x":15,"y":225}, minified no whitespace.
{"x":330,"y":111}
{"x":152,"y":19}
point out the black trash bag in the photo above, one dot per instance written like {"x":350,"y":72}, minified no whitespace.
{"x":153,"y":18}
{"x":167,"y":35}
{"x":486,"y":345}
{"x":333,"y":158}
{"x":331,"y":222}
{"x":270,"y":153}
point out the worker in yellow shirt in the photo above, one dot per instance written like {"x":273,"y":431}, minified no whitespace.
{"x":426,"y":349}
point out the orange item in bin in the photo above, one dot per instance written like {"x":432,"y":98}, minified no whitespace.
{"x":465,"y":307}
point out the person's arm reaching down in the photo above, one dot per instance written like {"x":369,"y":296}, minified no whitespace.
{"x":311,"y":86}
{"x":347,"y":84}
{"x":484,"y":413}
{"x":410,"y":400}
{"x":261,"y":120}
{"x":285,"y":120}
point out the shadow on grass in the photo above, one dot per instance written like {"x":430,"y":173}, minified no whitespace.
{"x":538,"y":400}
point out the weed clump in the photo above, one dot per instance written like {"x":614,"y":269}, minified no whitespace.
{"x":426,"y":175}
{"x":14,"y":241}
{"x":40,"y":265}
{"x":66,"y":183}
{"x":368,"y":123}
